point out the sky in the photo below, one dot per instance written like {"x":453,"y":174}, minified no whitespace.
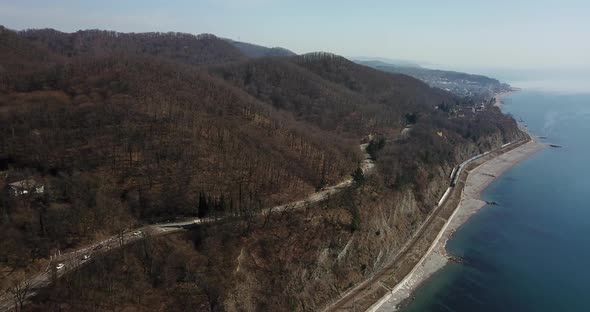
{"x":452,"y":34}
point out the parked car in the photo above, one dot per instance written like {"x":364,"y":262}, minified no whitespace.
{"x":137,"y":233}
{"x":98,"y":247}
{"x":60,"y":266}
{"x":85,"y":257}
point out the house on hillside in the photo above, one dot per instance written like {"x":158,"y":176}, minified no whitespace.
{"x":26,"y":186}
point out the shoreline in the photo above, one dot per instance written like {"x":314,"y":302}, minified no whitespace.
{"x":502,"y":95}
{"x":437,"y":257}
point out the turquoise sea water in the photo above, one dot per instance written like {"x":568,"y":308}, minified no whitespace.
{"x":532,"y":252}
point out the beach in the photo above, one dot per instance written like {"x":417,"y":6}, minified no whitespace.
{"x":501,"y":96}
{"x":436,"y":257}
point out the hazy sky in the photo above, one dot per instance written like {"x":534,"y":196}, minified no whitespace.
{"x":462,"y":33}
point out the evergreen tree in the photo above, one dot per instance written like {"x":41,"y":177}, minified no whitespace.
{"x":203,"y":206}
{"x":358,"y":176}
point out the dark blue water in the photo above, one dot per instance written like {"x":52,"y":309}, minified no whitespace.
{"x":532,"y":252}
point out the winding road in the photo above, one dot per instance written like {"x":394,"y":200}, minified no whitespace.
{"x":74,"y":259}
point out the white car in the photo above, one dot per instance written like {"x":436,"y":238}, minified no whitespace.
{"x":137,"y":233}
{"x":60,"y":266}
{"x":85,"y":257}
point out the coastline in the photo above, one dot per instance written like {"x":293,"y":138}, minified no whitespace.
{"x":500,"y":97}
{"x":437,"y":257}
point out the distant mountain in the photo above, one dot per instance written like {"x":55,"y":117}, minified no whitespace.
{"x":256,"y":51}
{"x":461,"y":84}
{"x":382,"y":61}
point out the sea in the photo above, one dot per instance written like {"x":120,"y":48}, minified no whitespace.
{"x":532,"y":251}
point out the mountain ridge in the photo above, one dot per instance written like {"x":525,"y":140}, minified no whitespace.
{"x":123,"y":130}
{"x":255,"y":51}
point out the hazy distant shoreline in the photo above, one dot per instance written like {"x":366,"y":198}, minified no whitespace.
{"x":502,"y":95}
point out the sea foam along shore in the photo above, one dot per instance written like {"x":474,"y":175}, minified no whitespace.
{"x":436,"y":257}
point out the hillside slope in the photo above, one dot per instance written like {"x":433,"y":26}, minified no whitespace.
{"x":127,"y":129}
{"x":108,"y":131}
{"x":335,"y":93}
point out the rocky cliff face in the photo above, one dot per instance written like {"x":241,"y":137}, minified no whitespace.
{"x":326,"y":257}
{"x":302,"y":265}
{"x":285,"y":261}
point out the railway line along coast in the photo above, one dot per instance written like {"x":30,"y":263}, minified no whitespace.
{"x":425,"y":252}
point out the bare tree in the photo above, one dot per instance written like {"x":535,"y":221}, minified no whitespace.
{"x":19,"y":291}
{"x":121,"y":236}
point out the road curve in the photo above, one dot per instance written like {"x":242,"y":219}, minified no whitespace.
{"x":74,"y":259}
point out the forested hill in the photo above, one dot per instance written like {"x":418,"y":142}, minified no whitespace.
{"x":125,"y":129}
{"x":154,"y":120}
{"x":335,"y":93}
{"x":391,"y":90}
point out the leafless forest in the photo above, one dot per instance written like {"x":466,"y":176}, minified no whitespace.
{"x":130,"y":129}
